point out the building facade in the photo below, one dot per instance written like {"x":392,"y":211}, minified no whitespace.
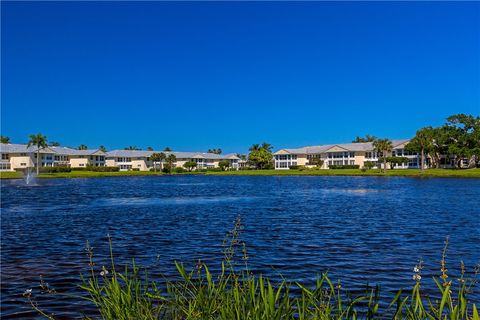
{"x":21,"y":157}
{"x":342,"y":154}
{"x":140,"y":159}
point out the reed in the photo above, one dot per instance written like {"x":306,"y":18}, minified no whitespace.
{"x":236,"y":293}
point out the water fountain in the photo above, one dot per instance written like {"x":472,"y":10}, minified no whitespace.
{"x":30,"y":174}
{"x":29,"y":177}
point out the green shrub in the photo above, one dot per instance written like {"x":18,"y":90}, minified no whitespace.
{"x":179,"y":170}
{"x":214,"y":169}
{"x":135,"y":169}
{"x":294,"y":167}
{"x":344,"y":166}
{"x":55,"y":169}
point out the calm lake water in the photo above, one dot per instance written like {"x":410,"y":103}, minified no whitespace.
{"x":361,"y":229}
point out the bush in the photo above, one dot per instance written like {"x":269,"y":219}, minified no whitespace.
{"x":55,"y":169}
{"x":369,"y":165}
{"x":135,"y":169}
{"x":166,"y":168}
{"x":103,"y":169}
{"x":295,"y":167}
{"x":344,"y":166}
{"x":214,"y":169}
{"x":179,"y":170}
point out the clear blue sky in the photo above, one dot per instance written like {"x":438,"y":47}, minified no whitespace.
{"x":218,"y":74}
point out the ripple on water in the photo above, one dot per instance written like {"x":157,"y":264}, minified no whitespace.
{"x":359,"y":229}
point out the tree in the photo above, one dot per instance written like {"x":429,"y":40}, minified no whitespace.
{"x":368,"y":138}
{"x":260,"y":156}
{"x":40,"y":141}
{"x":167,"y":149}
{"x":54,"y":144}
{"x":4,"y":139}
{"x":242,"y":156}
{"x":170,"y":159}
{"x":155,"y":157}
{"x":215,"y":151}
{"x":464,"y":138}
{"x":82,"y":147}
{"x":132,"y":148}
{"x":149,"y":148}
{"x":368,"y":165}
{"x":396,"y":160}
{"x":384,"y":146}
{"x":422,"y":143}
{"x":267,"y":146}
{"x":102,"y":148}
{"x":224,"y":164}
{"x":316,"y":161}
{"x":190,"y":165}
{"x":162,"y":157}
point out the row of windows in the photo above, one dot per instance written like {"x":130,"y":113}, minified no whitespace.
{"x":286,"y":157}
{"x":285,"y":164}
{"x":337,"y":155}
{"x":4,"y":166}
{"x":341,"y":162}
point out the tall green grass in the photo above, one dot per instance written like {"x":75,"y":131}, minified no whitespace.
{"x":236,"y":293}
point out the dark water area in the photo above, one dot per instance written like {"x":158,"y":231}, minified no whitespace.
{"x":360,"y":229}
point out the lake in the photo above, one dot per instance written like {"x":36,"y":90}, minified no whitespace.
{"x":359,"y":229}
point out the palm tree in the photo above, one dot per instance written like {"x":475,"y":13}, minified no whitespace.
{"x":82,"y":147}
{"x":267,"y":147}
{"x":155,"y":157}
{"x":54,"y":144}
{"x":384,"y":146}
{"x":149,"y":149}
{"x":4,"y":139}
{"x":167,"y":149}
{"x":162,"y":157}
{"x":40,"y":141}
{"x":132,"y":148}
{"x":423,"y":142}
{"x":254,"y":147}
{"x":171,"y":158}
{"x":102,"y":148}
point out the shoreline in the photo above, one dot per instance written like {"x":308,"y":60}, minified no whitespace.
{"x":430,"y":173}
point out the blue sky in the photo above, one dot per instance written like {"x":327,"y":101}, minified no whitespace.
{"x":194,"y":76}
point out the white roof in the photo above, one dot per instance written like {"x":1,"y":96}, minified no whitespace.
{"x":361,"y":146}
{"x":178,"y":154}
{"x":22,"y":148}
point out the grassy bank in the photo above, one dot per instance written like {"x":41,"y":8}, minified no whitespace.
{"x":465,"y":173}
{"x":237,"y":294}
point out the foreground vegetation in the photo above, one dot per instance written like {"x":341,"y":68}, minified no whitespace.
{"x":236,"y":293}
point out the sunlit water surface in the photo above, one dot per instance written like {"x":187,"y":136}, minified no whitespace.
{"x":360,"y":229}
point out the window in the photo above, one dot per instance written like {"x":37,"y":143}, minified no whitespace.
{"x":23,"y":164}
{"x":4,"y":156}
{"x":81,"y":165}
{"x":352,"y":162}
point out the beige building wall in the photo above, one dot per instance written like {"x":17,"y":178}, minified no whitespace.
{"x":78,"y":162}
{"x":359,"y":158}
{"x":110,"y":163}
{"x":301,"y":160}
{"x":140,"y":164}
{"x":21,"y":162}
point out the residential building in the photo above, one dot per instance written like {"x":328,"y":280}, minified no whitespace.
{"x":140,"y":159}
{"x":21,"y":157}
{"x":342,"y":154}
